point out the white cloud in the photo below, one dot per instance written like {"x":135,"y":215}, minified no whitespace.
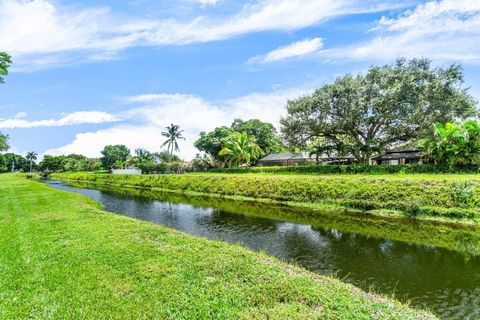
{"x":41,"y":33}
{"x":296,"y":49}
{"x":204,"y":3}
{"x":75,"y":118}
{"x":442,"y":30}
{"x":192,"y":113}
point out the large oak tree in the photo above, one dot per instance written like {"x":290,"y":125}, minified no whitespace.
{"x":388,"y":106}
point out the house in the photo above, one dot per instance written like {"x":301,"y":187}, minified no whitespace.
{"x":286,"y":159}
{"x":411,"y":156}
{"x":127,"y":171}
{"x":300,"y":158}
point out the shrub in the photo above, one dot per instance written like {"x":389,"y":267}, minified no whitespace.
{"x":433,"y":197}
{"x":355,"y":169}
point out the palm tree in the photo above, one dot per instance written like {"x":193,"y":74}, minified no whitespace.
{"x":31,"y":156}
{"x":240,"y":148}
{"x":173,"y":134}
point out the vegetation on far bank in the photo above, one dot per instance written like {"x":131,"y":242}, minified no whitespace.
{"x":464,"y":238}
{"x":426,"y":197}
{"x":63,"y":257}
{"x":355,"y":169}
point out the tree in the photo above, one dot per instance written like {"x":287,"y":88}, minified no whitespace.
{"x":114,"y":155}
{"x":453,"y":144}
{"x":387,"y":107}
{"x":213,"y":142}
{"x":52,"y":163}
{"x":5,"y":62}
{"x":173,"y":134}
{"x":31,"y":156}
{"x":265,"y":134}
{"x":240,"y":149}
{"x":19,"y":162}
{"x":3,"y":142}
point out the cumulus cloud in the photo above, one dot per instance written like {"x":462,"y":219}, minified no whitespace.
{"x":151,"y":113}
{"x":75,"y":118}
{"x":442,"y":30}
{"x":293,"y":50}
{"x":41,"y":33}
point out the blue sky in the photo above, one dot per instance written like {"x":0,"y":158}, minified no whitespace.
{"x":92,"y":73}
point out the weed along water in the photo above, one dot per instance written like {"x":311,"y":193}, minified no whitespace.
{"x":437,"y":268}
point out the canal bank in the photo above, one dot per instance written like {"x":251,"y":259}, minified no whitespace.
{"x":63,"y":257}
{"x":368,"y":251}
{"x":443,"y":198}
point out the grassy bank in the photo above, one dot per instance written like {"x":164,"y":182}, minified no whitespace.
{"x":464,"y":238}
{"x":62,"y":257}
{"x":453,"y":197}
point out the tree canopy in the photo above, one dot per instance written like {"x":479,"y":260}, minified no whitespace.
{"x":173,"y":134}
{"x":264,"y":134}
{"x":114,"y":156}
{"x":386,"y":107}
{"x":453,"y":144}
{"x":212,"y":142}
{"x":240,"y":149}
{"x":3,"y":142}
{"x":5,"y":62}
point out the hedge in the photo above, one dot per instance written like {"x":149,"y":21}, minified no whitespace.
{"x":432,"y":197}
{"x":355,"y":169}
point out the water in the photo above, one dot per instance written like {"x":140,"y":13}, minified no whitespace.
{"x":447,"y":282}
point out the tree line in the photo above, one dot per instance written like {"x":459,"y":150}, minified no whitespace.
{"x":409,"y":103}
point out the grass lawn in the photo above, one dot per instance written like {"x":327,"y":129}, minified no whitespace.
{"x":62,"y":257}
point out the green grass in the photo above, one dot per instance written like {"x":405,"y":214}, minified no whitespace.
{"x":464,"y":238}
{"x":442,"y":197}
{"x":62,"y":257}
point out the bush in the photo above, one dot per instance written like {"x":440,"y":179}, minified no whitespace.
{"x":433,"y":197}
{"x":355,"y":169}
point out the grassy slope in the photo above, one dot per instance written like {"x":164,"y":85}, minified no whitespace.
{"x":61,"y":257}
{"x":424,"y":195}
{"x":464,"y":238}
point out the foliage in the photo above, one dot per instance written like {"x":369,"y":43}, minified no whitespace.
{"x":165,"y":156}
{"x":453,"y":144}
{"x":3,"y":142}
{"x":73,"y":162}
{"x":31,"y":157}
{"x":240,"y":149}
{"x":173,"y":134}
{"x":202,"y":163}
{"x":20,"y":163}
{"x":354,"y":169}
{"x":386,"y":107}
{"x":5,"y":62}
{"x":113,"y":155}
{"x":464,"y":194}
{"x":424,"y":196}
{"x":213,"y":142}
{"x":265,"y":134}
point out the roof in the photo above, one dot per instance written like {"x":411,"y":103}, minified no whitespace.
{"x":284,"y":156}
{"x":400,"y":154}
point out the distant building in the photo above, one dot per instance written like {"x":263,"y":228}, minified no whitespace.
{"x":394,"y":157}
{"x":301,"y":158}
{"x":286,"y":159}
{"x":127,"y":171}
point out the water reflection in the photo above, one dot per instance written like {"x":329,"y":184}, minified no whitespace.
{"x":445,"y":281}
